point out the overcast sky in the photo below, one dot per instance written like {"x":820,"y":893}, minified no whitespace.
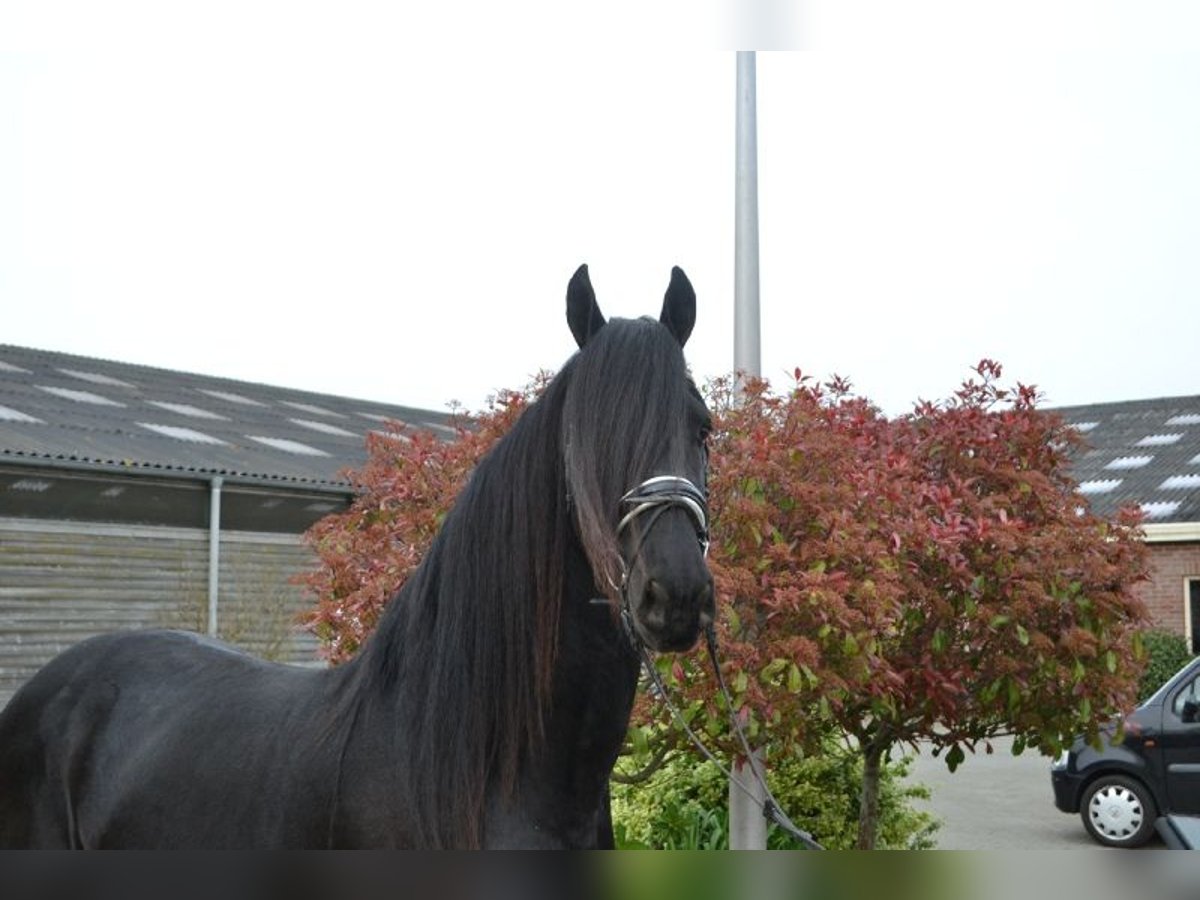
{"x":386,"y":201}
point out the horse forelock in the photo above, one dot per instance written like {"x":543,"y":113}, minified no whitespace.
{"x":622,"y":422}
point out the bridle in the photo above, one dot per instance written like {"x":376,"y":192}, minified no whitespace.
{"x":657,"y":495}
{"x":652,"y":498}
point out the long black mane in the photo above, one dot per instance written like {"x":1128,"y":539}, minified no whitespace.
{"x":470,"y":642}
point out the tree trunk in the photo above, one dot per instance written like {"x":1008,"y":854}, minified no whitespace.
{"x":868,"y":807}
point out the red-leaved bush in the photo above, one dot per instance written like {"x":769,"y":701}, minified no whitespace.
{"x":934,"y":577}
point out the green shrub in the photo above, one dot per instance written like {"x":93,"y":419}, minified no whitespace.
{"x":1166,"y":652}
{"x":684,"y":805}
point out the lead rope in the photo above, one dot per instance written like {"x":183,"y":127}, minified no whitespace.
{"x":771,"y":810}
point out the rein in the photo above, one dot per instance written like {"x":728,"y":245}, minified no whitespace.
{"x":771,"y":809}
{"x":655,"y":496}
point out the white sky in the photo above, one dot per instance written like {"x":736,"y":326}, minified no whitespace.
{"x":386,"y":200}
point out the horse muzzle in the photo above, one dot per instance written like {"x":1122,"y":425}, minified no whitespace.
{"x":668,"y":591}
{"x":671,"y":618}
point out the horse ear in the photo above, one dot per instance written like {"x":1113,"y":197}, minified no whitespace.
{"x":583,"y":313}
{"x":679,"y":306}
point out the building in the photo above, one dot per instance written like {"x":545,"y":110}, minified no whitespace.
{"x":134,"y":497}
{"x":1146,"y":453}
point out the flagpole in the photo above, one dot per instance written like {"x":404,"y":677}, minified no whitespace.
{"x":746,"y":328}
{"x":747,"y":826}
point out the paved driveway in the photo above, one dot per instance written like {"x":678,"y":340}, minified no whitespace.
{"x":999,"y":802}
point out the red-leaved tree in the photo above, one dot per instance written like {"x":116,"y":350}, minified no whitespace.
{"x":935,"y":577}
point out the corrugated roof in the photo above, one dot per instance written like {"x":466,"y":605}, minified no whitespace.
{"x":67,"y":410}
{"x":1140,"y":452}
{"x":61,"y":409}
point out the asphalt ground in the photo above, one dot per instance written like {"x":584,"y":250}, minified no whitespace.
{"x":999,"y":802}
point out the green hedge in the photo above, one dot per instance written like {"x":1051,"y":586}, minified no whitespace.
{"x":1166,"y":653}
{"x":684,"y":805}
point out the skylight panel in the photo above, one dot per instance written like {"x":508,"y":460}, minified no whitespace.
{"x":1180,"y":483}
{"x":1083,"y":426}
{"x":33,"y":485}
{"x":78,"y":396}
{"x":1159,"y":509}
{"x":96,"y":378}
{"x":288,"y":446}
{"x":310,"y":408}
{"x":1185,"y":419}
{"x":181,"y":434}
{"x":323,"y":427}
{"x":9,"y":367}
{"x":8,"y":414}
{"x":186,"y":409}
{"x":1099,"y":486}
{"x":1129,"y":462}
{"x":1158,"y":440}
{"x":393,"y":435}
{"x":232,"y":398}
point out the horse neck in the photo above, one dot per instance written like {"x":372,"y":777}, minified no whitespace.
{"x":595,"y":677}
{"x":494,"y":571}
{"x":458,"y":675}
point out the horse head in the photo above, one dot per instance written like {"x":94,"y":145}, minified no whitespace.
{"x":635,"y":432}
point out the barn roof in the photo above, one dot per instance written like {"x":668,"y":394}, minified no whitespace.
{"x":60,"y":410}
{"x":69,"y":411}
{"x":1141,"y":452}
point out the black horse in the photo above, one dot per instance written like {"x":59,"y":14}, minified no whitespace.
{"x":489,"y":706}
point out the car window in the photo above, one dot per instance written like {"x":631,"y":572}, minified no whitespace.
{"x":1189,"y":691}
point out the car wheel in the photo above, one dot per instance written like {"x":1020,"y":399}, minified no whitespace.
{"x":1118,"y":811}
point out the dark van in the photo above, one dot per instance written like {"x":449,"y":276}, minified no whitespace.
{"x":1120,"y":790}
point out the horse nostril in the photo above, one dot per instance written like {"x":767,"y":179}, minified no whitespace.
{"x":707,"y":606}
{"x":654,"y":604}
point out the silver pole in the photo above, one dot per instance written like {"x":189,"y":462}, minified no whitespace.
{"x":746,"y":329}
{"x":747,"y":827}
{"x":214,"y":553}
{"x":747,"y":824}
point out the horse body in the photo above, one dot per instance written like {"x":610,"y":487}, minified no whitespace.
{"x":115,"y":743}
{"x":488,"y":707}
{"x":214,"y":741}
